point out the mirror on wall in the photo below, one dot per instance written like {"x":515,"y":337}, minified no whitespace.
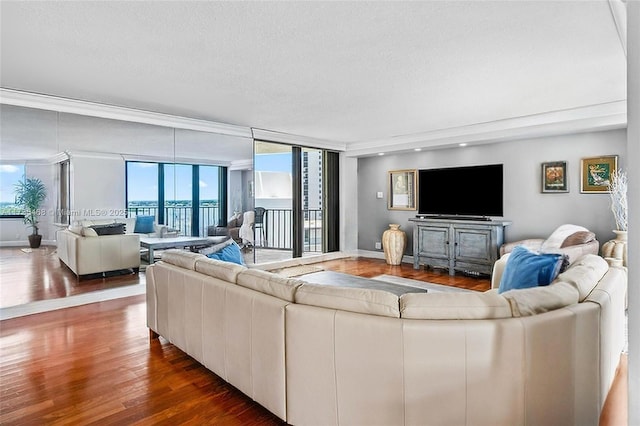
{"x":85,"y":163}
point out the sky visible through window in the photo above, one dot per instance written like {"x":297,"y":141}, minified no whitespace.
{"x":10,"y":174}
{"x":143,"y":178}
{"x":142,"y":182}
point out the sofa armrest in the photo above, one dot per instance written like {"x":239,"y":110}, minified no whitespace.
{"x":576,"y":252}
{"x":498,"y":269}
{"x":531,"y":243}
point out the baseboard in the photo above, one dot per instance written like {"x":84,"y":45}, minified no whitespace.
{"x":380,"y":255}
{"x":25,"y":243}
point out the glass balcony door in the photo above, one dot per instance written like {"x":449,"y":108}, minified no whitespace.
{"x":311,"y":198}
{"x":273,"y":230}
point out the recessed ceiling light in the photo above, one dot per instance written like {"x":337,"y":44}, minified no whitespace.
{"x":462,"y":144}
{"x":417,"y":149}
{"x":381,"y":153}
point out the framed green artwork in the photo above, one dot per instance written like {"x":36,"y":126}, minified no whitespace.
{"x":595,"y":173}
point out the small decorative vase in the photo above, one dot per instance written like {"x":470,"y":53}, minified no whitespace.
{"x":394,"y":242}
{"x":616,"y":248}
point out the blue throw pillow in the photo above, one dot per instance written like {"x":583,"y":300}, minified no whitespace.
{"x":230,"y":253}
{"x":144,"y":224}
{"x":526,"y":268}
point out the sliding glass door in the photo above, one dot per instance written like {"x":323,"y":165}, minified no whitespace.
{"x":273,"y":201}
{"x":291,"y":201}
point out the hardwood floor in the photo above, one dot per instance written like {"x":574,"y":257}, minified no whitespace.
{"x":95,"y":364}
{"x":38,"y":274}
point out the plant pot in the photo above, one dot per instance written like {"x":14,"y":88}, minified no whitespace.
{"x":35,"y":240}
{"x":616,"y":248}
{"x":394,"y":242}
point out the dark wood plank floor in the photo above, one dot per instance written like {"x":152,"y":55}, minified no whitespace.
{"x":38,"y":274}
{"x":95,"y":364}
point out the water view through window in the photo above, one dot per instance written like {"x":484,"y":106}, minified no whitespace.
{"x":178,"y":211}
{"x":10,"y":174}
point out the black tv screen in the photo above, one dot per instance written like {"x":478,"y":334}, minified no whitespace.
{"x":474,"y":191}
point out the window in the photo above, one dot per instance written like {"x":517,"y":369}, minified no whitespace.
{"x":187,"y":197}
{"x":10,"y":174}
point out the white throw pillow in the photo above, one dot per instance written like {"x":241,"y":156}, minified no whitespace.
{"x":558,"y":236}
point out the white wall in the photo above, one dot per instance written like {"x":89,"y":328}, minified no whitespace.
{"x":350,"y":193}
{"x":98,"y":188}
{"x":534,"y":214}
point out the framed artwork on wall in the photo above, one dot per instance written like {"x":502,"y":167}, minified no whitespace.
{"x":554,"y":177}
{"x":595,"y":173}
{"x":402,"y":189}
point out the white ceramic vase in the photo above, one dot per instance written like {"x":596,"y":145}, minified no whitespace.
{"x":616,"y":248}
{"x":394,"y":242}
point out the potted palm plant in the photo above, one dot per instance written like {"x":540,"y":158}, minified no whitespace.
{"x":30,"y":194}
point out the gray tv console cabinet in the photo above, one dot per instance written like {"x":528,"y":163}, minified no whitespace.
{"x":463,"y":245}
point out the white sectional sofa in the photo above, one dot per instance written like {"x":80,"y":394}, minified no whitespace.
{"x":325,"y":355}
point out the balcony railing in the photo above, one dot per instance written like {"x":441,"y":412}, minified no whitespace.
{"x":180,"y":217}
{"x":275,"y":232}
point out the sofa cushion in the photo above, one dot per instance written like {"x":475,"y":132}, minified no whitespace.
{"x":230,"y":253}
{"x":558,"y":236}
{"x":109,"y":229}
{"x":91,"y":222}
{"x":88,"y":231}
{"x":129,"y":224}
{"x":360,"y":300}
{"x":218,"y":269}
{"x":577,"y":238}
{"x":526,"y":268}
{"x":269,"y":283}
{"x":182,"y":258}
{"x":585,"y":274}
{"x":144,"y":224}
{"x":537,"y":300}
{"x":438,"y":306}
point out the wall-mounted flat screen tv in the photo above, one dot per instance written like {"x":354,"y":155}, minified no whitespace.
{"x":472,"y":191}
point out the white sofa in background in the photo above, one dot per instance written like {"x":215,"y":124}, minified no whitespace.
{"x":85,"y":253}
{"x":325,"y":355}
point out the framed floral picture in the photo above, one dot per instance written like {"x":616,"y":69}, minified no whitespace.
{"x":595,"y":173}
{"x":402,"y":190}
{"x":554,"y":177}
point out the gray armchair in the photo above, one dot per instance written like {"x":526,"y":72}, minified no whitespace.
{"x":231,"y":230}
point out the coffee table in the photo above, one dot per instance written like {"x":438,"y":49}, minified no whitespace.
{"x":152,"y":243}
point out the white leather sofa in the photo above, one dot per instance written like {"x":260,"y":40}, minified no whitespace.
{"x":85,"y":254}
{"x":324,"y":355}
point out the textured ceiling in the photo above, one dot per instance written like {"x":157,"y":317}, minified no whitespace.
{"x":338,"y":71}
